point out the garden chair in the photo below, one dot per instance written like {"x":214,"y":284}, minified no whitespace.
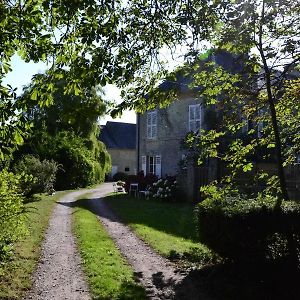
{"x":134,"y":189}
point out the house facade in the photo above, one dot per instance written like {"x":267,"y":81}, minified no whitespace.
{"x":160,"y":133}
{"x":120,"y":141}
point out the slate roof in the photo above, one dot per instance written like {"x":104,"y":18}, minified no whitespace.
{"x":118,"y":135}
{"x":183,"y":80}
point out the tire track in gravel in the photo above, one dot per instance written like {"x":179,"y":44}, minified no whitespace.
{"x":161,"y":278}
{"x":59,"y":275}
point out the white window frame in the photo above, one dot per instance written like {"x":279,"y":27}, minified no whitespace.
{"x":158,"y":166}
{"x":196,"y":117}
{"x":152,"y":124}
{"x":144,"y":164}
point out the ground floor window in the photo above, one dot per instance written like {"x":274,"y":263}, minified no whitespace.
{"x":151,"y":164}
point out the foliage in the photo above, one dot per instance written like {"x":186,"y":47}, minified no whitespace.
{"x":66,"y":130}
{"x":68,"y":110}
{"x":261,"y":35}
{"x":250,"y":230}
{"x":109,"y":276}
{"x":164,"y":189}
{"x":114,"y":42}
{"x":83,"y":162}
{"x":11,"y":214}
{"x":16,"y":276}
{"x":43,"y":174}
{"x":120,"y":176}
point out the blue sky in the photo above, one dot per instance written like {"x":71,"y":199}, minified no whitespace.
{"x":22,"y":73}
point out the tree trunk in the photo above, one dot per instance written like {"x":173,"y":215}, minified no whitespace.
{"x":278,"y":146}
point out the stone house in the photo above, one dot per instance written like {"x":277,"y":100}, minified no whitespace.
{"x":160,"y":133}
{"x":120,"y":141}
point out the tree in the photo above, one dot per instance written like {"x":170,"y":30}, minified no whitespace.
{"x":68,"y":111}
{"x":66,"y":131}
{"x":267,"y":31}
{"x":264,"y":38}
{"x":98,"y":42}
{"x":120,"y":42}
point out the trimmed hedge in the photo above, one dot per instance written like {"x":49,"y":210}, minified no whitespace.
{"x":250,"y":230}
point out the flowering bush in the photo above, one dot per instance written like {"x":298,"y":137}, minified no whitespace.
{"x":165,"y":189}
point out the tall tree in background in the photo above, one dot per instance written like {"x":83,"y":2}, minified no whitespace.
{"x":66,"y":131}
{"x":99,"y":43}
{"x":77,"y":113}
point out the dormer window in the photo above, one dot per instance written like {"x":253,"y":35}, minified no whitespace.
{"x":152,"y":124}
{"x":195,"y":117}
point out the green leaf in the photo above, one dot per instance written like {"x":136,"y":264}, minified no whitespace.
{"x":34,"y":95}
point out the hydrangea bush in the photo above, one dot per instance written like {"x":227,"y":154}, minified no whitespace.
{"x":165,"y":189}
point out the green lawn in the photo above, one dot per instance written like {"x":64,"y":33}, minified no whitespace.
{"x":108,"y":275}
{"x":169,"y":228}
{"x":15,"y":277}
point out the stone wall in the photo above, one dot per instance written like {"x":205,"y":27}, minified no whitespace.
{"x":172,"y":127}
{"x":124,"y":158}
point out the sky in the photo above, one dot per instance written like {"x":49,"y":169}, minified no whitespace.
{"x":22,"y":73}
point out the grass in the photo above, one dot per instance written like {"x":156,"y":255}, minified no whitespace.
{"x":15,"y":277}
{"x":108,"y":275}
{"x":169,"y":228}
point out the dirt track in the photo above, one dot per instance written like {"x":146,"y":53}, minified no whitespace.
{"x":59,"y":274}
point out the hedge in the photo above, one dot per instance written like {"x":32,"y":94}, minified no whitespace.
{"x":250,"y":230}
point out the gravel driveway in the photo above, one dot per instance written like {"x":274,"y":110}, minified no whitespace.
{"x":59,"y":274}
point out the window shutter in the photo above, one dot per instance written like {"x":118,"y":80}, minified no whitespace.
{"x":158,"y":166}
{"x":195,"y":116}
{"x":144,"y":165}
{"x":151,"y":124}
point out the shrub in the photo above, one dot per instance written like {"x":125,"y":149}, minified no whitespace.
{"x":165,"y":189}
{"x":250,"y":230}
{"x":39,"y":176}
{"x":83,"y":162}
{"x":11,"y":214}
{"x":120,"y":176}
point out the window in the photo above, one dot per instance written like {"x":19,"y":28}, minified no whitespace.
{"x":126,"y":169}
{"x":152,"y":165}
{"x":195,"y":117}
{"x":151,"y":124}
